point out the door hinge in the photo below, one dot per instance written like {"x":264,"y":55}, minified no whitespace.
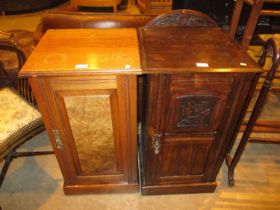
{"x":57,"y":138}
{"x":156,"y":143}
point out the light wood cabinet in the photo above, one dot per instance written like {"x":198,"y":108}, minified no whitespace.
{"x":90,"y":114}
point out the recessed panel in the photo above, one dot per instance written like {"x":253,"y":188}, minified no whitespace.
{"x":90,"y":119}
{"x":196,"y":103}
{"x":194,"y":111}
{"x":184,"y":155}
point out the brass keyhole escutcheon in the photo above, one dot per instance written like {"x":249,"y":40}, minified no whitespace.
{"x":156,"y":143}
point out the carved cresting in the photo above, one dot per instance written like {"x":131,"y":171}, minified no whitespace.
{"x":182,"y":18}
{"x":195,"y":110}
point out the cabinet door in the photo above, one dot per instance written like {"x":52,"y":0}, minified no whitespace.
{"x":93,"y":118}
{"x":185,"y":116}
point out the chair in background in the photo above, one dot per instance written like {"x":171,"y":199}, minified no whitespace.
{"x":273,"y":45}
{"x":19,"y":120}
{"x":256,"y":11}
{"x":15,"y":47}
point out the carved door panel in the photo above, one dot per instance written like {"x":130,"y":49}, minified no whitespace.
{"x":196,"y":102}
{"x":91,"y":119}
{"x":184,"y":129}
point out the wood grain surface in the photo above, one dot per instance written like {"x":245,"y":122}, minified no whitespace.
{"x":190,"y":49}
{"x":103,"y":51}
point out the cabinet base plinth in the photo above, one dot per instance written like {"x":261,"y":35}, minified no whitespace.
{"x":102,"y":188}
{"x":179,"y":189}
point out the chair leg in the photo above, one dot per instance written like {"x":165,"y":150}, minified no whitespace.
{"x":8,"y":159}
{"x":28,"y":154}
{"x":14,"y":154}
{"x":230,"y":170}
{"x":232,"y":162}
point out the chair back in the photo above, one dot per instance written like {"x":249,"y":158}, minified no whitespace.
{"x":273,"y":45}
{"x":4,"y":77}
{"x":77,"y":20}
{"x":24,"y":87}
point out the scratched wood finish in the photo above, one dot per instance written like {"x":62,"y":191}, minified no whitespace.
{"x":113,"y":51}
{"x":191,"y":113}
{"x":191,"y":46}
{"x":93,"y":110}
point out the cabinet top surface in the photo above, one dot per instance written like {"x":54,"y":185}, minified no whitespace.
{"x":199,"y":49}
{"x":92,"y":51}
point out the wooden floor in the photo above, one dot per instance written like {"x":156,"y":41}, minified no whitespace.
{"x":36,"y":183}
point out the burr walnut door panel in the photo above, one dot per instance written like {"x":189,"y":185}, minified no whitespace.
{"x":97,"y":133}
{"x":183,"y":132}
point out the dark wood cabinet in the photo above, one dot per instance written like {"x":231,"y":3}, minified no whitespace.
{"x":88,"y":103}
{"x":192,"y":112}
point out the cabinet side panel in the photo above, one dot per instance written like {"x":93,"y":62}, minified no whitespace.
{"x":243,"y":85}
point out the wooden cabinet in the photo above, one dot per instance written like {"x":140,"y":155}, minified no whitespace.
{"x":91,"y":130}
{"x":197,"y":83}
{"x":97,"y":3}
{"x":154,"y":6}
{"x":193,"y":106}
{"x":88,"y":103}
